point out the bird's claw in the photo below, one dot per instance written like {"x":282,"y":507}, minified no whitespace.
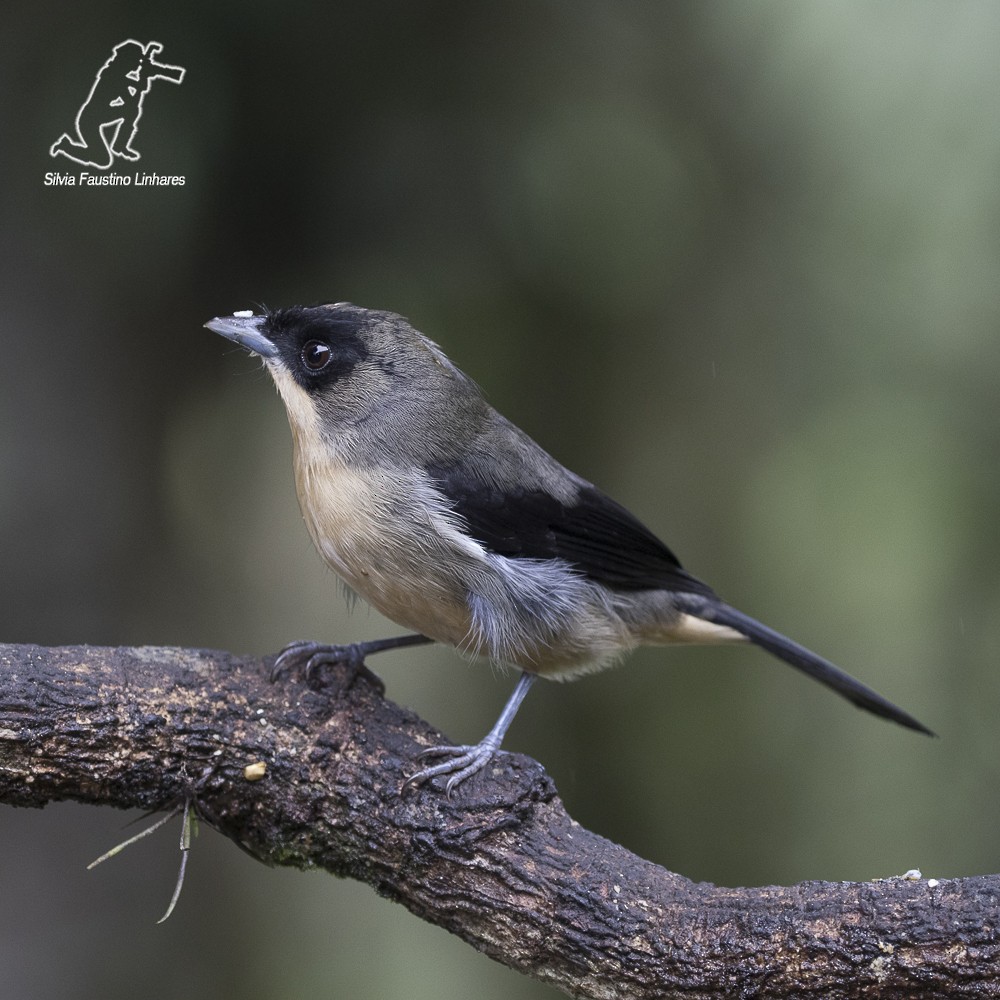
{"x":465,"y":762}
{"x":313,"y":657}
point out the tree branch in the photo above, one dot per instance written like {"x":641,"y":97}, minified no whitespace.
{"x":500,"y":864}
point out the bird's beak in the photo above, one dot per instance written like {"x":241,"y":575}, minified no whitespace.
{"x":245,"y":331}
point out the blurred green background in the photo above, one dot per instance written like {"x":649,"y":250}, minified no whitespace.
{"x":735,"y":263}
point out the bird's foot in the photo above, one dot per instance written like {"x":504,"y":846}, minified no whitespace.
{"x":313,"y":657}
{"x":465,"y":761}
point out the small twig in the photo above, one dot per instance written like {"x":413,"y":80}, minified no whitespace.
{"x":131,"y":840}
{"x":189,"y":827}
{"x":187,"y":822}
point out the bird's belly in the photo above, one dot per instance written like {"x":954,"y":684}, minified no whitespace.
{"x":357,"y":528}
{"x":432,"y":607}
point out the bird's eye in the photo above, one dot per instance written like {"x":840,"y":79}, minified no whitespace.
{"x":316,"y":355}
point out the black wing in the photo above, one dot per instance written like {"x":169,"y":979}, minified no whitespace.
{"x":594,"y":533}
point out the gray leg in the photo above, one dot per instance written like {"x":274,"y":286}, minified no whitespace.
{"x":467,"y":760}
{"x":312,"y":656}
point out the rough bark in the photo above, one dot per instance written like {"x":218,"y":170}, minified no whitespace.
{"x":500,"y":864}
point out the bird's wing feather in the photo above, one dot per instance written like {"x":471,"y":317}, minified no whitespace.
{"x":592,"y":532}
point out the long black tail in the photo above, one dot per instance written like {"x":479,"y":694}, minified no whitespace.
{"x":713,"y":610}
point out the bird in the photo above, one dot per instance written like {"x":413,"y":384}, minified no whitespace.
{"x":455,"y":524}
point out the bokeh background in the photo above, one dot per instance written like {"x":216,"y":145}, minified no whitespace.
{"x":735,"y":263}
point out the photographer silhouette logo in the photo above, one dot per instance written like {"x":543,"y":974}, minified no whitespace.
{"x":108,"y":120}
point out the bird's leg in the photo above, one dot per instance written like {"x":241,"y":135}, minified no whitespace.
{"x":313,"y":656}
{"x":467,"y":760}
